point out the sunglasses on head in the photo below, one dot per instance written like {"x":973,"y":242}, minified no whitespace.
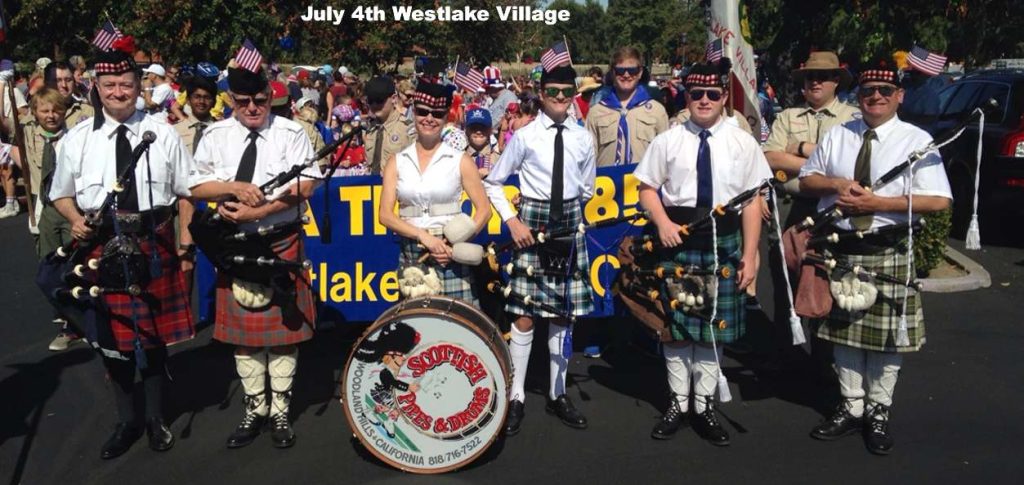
{"x":553,"y":92}
{"x":244,"y":102}
{"x":698,"y":94}
{"x":820,"y":76}
{"x":436,"y":113}
{"x":867,"y":92}
{"x":632,"y":71}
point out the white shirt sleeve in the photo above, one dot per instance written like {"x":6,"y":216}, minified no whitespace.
{"x":63,"y":183}
{"x":509,"y":163}
{"x":161,"y":94}
{"x":818,"y":162}
{"x":930,"y":177}
{"x":589,"y":169}
{"x":653,"y":168}
{"x":202,"y":167}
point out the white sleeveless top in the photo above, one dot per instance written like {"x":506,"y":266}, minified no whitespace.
{"x":439,"y":186}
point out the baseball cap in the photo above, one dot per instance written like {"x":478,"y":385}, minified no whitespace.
{"x":380,"y":88}
{"x":478,"y":116}
{"x":155,"y":69}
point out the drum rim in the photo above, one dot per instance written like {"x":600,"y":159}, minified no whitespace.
{"x":387,"y":316}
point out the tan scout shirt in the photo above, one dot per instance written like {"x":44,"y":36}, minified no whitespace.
{"x":645,"y":121}
{"x":795,"y":125}
{"x":77,"y":113}
{"x":34,"y":143}
{"x":187,"y":131}
{"x":315,"y":139}
{"x":736,"y":119}
{"x":398,"y":133}
{"x":489,"y":153}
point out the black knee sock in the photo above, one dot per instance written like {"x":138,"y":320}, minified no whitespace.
{"x":121,"y":374}
{"x":153,"y":381}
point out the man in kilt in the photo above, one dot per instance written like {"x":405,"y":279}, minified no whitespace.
{"x":555,"y":160}
{"x":88,"y":158}
{"x":869,"y":345}
{"x":697,"y":165}
{"x":235,"y":157}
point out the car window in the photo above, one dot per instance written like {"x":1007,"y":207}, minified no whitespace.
{"x":998,"y":91}
{"x":963,"y":100}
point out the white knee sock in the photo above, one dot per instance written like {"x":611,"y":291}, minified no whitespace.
{"x":252,"y":369}
{"x":282,"y":374}
{"x":520,"y":347}
{"x":705,"y":375}
{"x":678,"y":364}
{"x":883,"y":368}
{"x":559,"y":364}
{"x":850,"y":364}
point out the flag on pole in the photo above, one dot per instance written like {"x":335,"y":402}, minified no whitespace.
{"x":468,"y":78}
{"x":248,"y":57}
{"x":713,"y":53}
{"x":555,"y":56}
{"x":106,"y":36}
{"x":728,"y":24}
{"x":927,"y":62}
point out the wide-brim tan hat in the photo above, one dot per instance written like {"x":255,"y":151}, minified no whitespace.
{"x":823,"y":61}
{"x":588,"y":84}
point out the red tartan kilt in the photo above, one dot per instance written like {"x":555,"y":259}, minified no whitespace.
{"x":273,"y":326}
{"x":163,"y":311}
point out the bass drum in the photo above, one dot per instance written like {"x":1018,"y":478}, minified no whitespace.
{"x":425,"y":388}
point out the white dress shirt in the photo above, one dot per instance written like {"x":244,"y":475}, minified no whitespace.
{"x":531,"y":154}
{"x":87,"y":163}
{"x":440,"y":183}
{"x":282,"y":144}
{"x":836,"y":156}
{"x":670,"y":163}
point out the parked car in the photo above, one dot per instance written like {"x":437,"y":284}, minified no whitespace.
{"x":1001,"y":191}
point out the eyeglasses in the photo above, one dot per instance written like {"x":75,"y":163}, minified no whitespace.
{"x":553,"y":92}
{"x":436,"y":113}
{"x":820,"y":76}
{"x":867,"y":92}
{"x":244,"y":102}
{"x":698,"y":94}
{"x":632,"y":71}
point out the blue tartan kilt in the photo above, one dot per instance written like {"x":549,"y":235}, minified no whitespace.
{"x":686,"y":327}
{"x":456,"y":279}
{"x":547,"y":289}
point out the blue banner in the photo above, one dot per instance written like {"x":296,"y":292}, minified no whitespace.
{"x":354,"y":276}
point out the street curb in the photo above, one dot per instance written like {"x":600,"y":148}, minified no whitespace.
{"x":977,"y":276}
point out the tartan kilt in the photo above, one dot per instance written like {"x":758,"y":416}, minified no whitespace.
{"x":730,"y":300}
{"x":456,"y":279}
{"x":875,"y":328}
{"x":546,"y":289}
{"x":282,"y":323}
{"x":163,"y":312}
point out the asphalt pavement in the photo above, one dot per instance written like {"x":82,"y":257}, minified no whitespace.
{"x":956,"y":417}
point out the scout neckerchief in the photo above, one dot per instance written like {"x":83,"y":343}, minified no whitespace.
{"x":623,"y":152}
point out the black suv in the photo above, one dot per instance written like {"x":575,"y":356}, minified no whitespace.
{"x":1001,"y":192}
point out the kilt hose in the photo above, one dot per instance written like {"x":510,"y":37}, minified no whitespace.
{"x":289,"y":319}
{"x":546,"y":289}
{"x":163,"y":312}
{"x":875,"y":328}
{"x":456,"y":279}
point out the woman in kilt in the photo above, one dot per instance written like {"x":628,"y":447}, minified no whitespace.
{"x":555,"y":160}
{"x":869,"y":344}
{"x":427,"y":179}
{"x":696,"y":166}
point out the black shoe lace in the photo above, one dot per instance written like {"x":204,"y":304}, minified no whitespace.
{"x":710,"y":417}
{"x":841,"y":414}
{"x":879,"y":426}
{"x":280,"y":421}
{"x":673,"y":413}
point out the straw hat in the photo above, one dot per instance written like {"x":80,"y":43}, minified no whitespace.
{"x":823,"y":61}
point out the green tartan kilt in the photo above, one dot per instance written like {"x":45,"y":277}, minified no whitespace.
{"x":875,"y":328}
{"x":456,"y":279}
{"x":546,"y":289}
{"x":731,"y":307}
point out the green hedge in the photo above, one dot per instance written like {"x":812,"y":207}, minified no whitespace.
{"x":930,"y":242}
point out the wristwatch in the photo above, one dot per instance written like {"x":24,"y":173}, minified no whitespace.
{"x":189,"y":249}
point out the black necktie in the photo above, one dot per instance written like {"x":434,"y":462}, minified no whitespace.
{"x":247,"y":167}
{"x":49,"y":163}
{"x":128,"y":199}
{"x":200,"y":126}
{"x":557,"y":177}
{"x":378,"y":151}
{"x":705,"y":187}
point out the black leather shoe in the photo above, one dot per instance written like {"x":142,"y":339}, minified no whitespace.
{"x":670,"y":422}
{"x":247,"y":430}
{"x":876,"y":431}
{"x":515,"y":417}
{"x":707,"y":426}
{"x":564,"y":409}
{"x":125,"y":434}
{"x":281,"y":433}
{"x":840,"y":424}
{"x":160,"y":438}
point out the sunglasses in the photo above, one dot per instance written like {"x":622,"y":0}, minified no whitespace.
{"x":820,"y":76}
{"x":632,"y":71}
{"x":870,"y":91}
{"x":698,"y":94}
{"x":244,"y":102}
{"x":436,"y":113}
{"x":553,"y":92}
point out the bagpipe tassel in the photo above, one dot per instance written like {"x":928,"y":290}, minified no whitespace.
{"x":723,"y":387}
{"x":794,"y":321}
{"x":796,"y":328}
{"x":902,"y":336}
{"x":973,"y":240}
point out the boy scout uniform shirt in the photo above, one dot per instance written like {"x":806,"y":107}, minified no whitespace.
{"x":187,"y":131}
{"x":77,"y":113}
{"x":803,"y":124}
{"x":645,"y":122}
{"x":487,"y":152}
{"x":34,"y":143}
{"x":315,"y":139}
{"x":87,"y":164}
{"x":399,"y":133}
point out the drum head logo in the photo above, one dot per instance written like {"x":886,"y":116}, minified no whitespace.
{"x":423,"y":395}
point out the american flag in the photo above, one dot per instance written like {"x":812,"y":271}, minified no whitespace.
{"x":555,"y":56}
{"x":106,"y":36}
{"x":927,"y":62}
{"x":248,"y":57}
{"x":714,"y":51}
{"x":468,"y":78}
